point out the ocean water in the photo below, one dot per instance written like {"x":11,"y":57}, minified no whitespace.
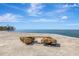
{"x":72,"y":33}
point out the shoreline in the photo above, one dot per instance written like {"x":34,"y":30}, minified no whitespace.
{"x":71,"y":33}
{"x":41,"y":33}
{"x":10,"y":45}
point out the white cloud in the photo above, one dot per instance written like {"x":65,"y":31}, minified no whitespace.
{"x":74,"y":24}
{"x":74,"y":5}
{"x":65,"y":6}
{"x":14,"y":7}
{"x":8,"y":17}
{"x":61,"y":10}
{"x":68,"y":6}
{"x":64,"y":17}
{"x":35,"y":9}
{"x":44,"y":20}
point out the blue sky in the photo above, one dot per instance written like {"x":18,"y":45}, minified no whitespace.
{"x":40,"y":15}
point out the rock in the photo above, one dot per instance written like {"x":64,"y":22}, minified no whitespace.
{"x":48,"y":41}
{"x":27,"y":40}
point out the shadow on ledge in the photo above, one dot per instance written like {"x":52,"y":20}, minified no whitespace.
{"x":56,"y":45}
{"x":53,"y":45}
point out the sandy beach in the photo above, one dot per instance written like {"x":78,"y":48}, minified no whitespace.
{"x":10,"y":45}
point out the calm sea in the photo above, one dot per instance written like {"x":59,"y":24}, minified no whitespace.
{"x":72,"y":33}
